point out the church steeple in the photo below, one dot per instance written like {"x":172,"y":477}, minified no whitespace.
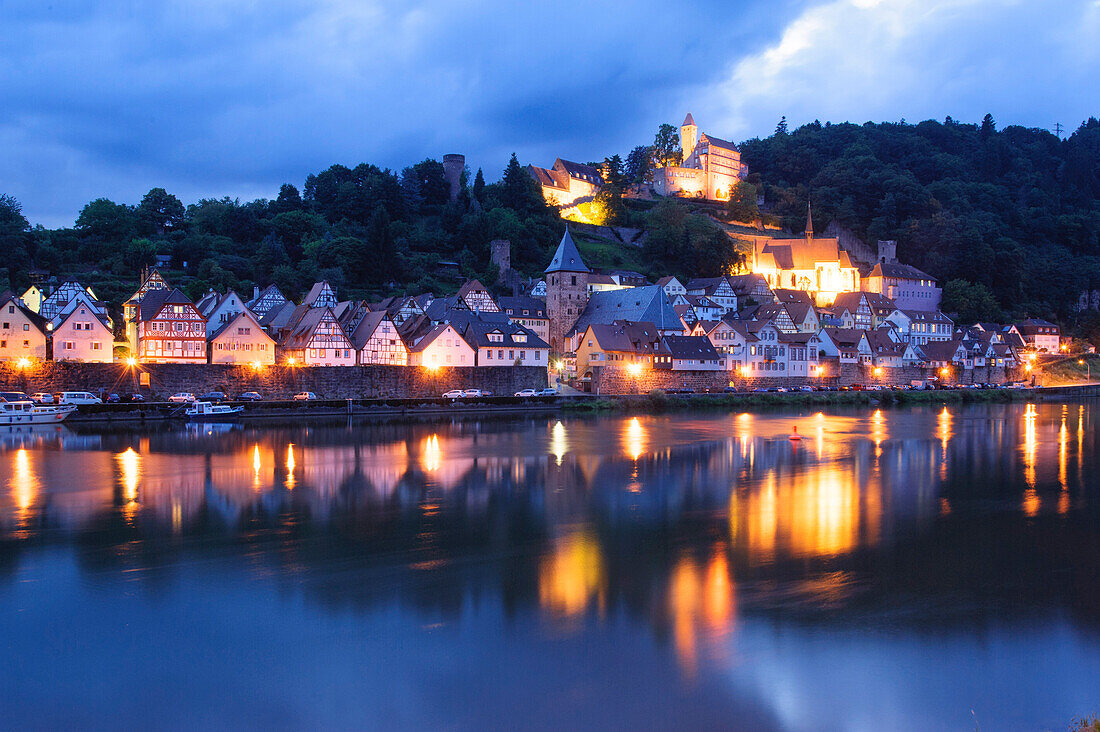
{"x":809,"y":222}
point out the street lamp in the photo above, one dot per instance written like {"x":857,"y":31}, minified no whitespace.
{"x":1088,"y":367}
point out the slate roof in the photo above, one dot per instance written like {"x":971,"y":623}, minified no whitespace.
{"x":477,"y":335}
{"x":626,"y":337}
{"x":221,"y":327}
{"x":514,"y":306}
{"x":899,"y":271}
{"x":428,"y":338}
{"x":694,"y":347}
{"x":567,"y":258}
{"x":803,"y":254}
{"x":719,"y":142}
{"x":637,"y":304}
{"x":154,"y":300}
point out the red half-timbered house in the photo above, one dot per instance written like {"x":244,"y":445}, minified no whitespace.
{"x":170,"y":329}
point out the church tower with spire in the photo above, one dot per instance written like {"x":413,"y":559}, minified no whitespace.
{"x":809,"y":224}
{"x":566,"y":291}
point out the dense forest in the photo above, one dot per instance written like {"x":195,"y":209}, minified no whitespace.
{"x":1008,"y":220}
{"x":1014,"y":212}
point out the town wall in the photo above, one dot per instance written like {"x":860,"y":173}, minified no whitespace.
{"x":616,"y":380}
{"x":273,"y":382}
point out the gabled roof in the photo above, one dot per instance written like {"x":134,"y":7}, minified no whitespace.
{"x":271,"y":292}
{"x":579,"y":170}
{"x":719,"y":142}
{"x":625,"y":337}
{"x":278,"y":316}
{"x":927,"y":316}
{"x":302,"y":332}
{"x":428,"y":338}
{"x":9,"y":297}
{"x":366,"y":327}
{"x":689,"y":347}
{"x":247,"y":315}
{"x":155,"y":300}
{"x":567,"y":258}
{"x":689,"y":121}
{"x":318,"y":289}
{"x":939,"y":350}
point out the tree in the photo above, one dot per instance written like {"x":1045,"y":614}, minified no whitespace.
{"x":639,"y":166}
{"x":383,"y":251}
{"x":479,"y":186}
{"x":972,"y":302}
{"x":160,"y":211}
{"x":12,"y":220}
{"x":988,"y":126}
{"x":781,"y":128}
{"x":666,"y":147}
{"x":519,"y":191}
{"x":742,"y":202}
{"x":107,"y":221}
{"x":289,"y":200}
{"x":612,"y":171}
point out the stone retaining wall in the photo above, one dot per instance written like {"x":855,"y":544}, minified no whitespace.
{"x":273,"y":382}
{"x":617,"y":380}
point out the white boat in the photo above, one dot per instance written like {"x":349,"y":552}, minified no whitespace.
{"x":203,"y":411}
{"x":27,"y":412}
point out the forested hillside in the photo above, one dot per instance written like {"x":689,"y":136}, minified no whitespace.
{"x":1008,"y":220}
{"x":367,"y":230}
{"x":1014,"y":210}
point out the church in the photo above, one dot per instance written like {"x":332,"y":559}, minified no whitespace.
{"x":816,"y":265}
{"x":710,"y":167}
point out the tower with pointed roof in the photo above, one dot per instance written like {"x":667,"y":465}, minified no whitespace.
{"x":809,"y":223}
{"x":689,"y":136}
{"x":566,"y":291}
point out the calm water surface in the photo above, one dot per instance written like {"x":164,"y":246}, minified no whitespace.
{"x":928,"y":568}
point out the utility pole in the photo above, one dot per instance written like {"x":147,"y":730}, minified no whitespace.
{"x":1058,"y":129}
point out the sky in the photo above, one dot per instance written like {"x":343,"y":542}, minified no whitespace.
{"x":213,"y":98}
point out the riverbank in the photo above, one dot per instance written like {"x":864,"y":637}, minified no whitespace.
{"x":434,"y":408}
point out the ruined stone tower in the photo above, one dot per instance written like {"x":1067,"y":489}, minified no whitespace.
{"x":566,"y":291}
{"x":453,"y":165}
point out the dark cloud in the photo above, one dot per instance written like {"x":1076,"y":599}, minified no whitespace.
{"x":212,"y":98}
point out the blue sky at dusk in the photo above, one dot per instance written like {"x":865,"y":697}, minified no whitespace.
{"x":213,"y":97}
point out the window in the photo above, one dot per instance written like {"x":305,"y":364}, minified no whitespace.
{"x":7,"y":326}
{"x":489,"y":354}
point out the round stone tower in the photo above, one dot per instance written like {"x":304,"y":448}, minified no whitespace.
{"x":453,"y":165}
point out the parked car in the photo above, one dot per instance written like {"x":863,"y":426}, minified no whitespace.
{"x":526,"y":393}
{"x":549,"y":391}
{"x":250,"y":396}
{"x":454,"y":394}
{"x":134,"y":398}
{"x":183,"y":397}
{"x":729,"y":390}
{"x":42,"y":397}
{"x":13,"y":396}
{"x":472,"y":393}
{"x":213,"y":396}
{"x":305,"y":396}
{"x":112,"y":399}
{"x":77,"y":397}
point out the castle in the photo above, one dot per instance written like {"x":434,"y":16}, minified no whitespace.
{"x":710,"y":167}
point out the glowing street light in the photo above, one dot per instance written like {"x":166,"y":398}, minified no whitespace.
{"x":23,"y":363}
{"x":877,"y":371}
{"x":1088,"y":367}
{"x":131,"y":361}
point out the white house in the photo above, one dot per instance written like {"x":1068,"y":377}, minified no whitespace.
{"x":241,"y":340}
{"x":82,"y":333}
{"x":22,"y":331}
{"x":442,"y":346}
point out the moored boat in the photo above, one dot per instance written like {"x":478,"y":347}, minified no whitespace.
{"x":206,"y":411}
{"x":27,"y":412}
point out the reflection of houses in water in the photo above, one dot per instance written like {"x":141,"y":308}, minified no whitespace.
{"x":847,"y":484}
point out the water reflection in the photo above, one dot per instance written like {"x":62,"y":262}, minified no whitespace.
{"x":687,"y":529}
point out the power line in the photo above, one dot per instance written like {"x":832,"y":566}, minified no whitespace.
{"x":1058,"y":129}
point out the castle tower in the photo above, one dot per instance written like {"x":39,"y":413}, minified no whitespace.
{"x":453,"y":165}
{"x":566,"y":291}
{"x":689,"y":136}
{"x":887,"y":251}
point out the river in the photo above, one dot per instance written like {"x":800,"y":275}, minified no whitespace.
{"x":920,"y":568}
